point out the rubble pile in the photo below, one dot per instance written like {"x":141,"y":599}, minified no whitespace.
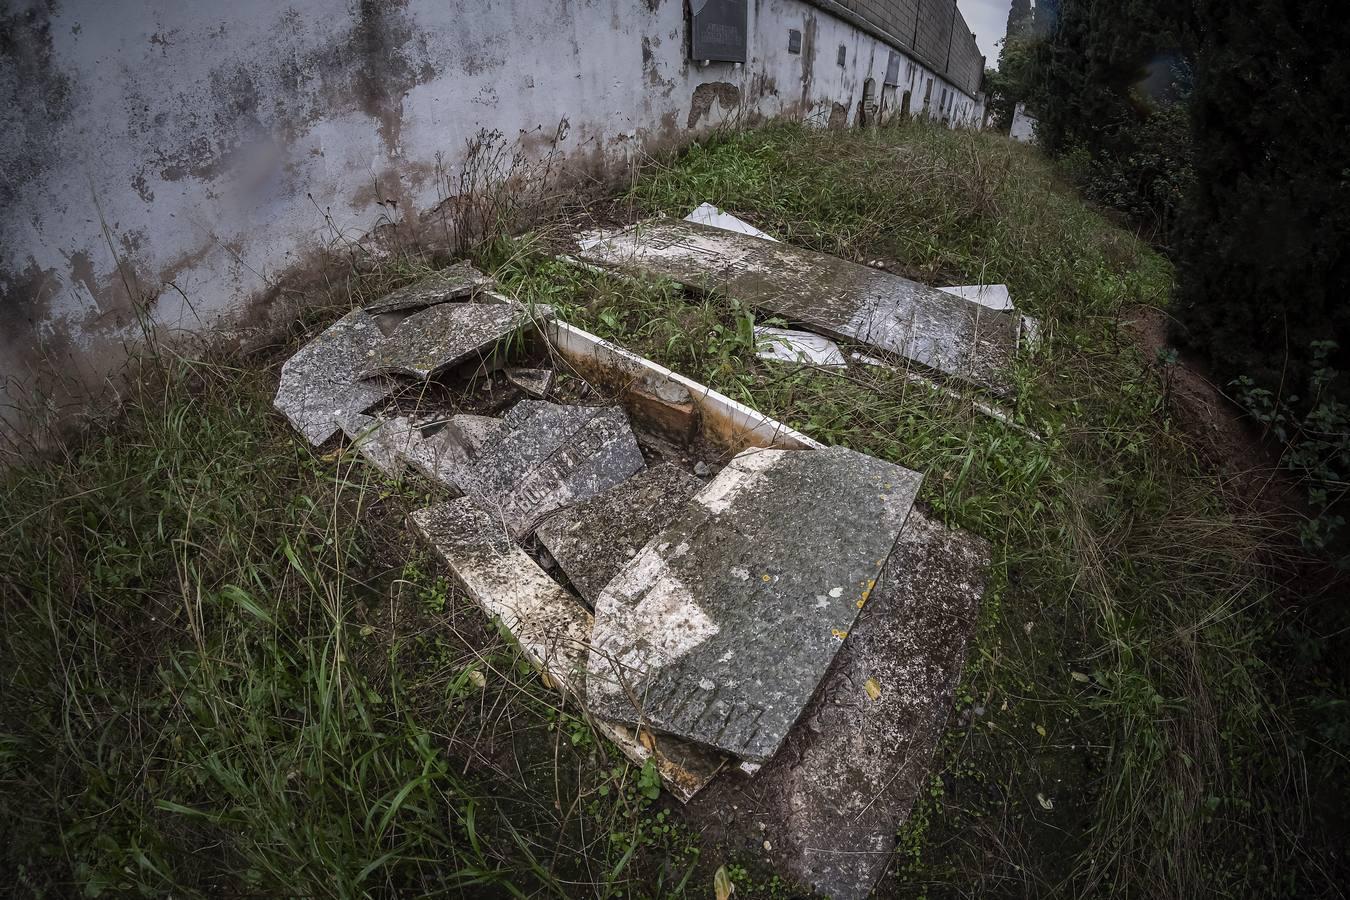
{"x":775,"y":624}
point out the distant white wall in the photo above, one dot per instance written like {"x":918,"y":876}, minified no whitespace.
{"x":168,"y":162}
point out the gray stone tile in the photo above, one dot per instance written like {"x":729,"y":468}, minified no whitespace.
{"x":721,"y":628}
{"x":591,"y":541}
{"x":386,"y":443}
{"x":549,"y":623}
{"x":446,"y":453}
{"x":834,"y":297}
{"x":830,"y":803}
{"x":458,"y":282}
{"x":553,"y":456}
{"x":324,"y":382}
{"x":441,"y":336}
{"x":535,"y":383}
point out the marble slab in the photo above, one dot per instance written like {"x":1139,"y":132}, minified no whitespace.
{"x":324,"y":382}
{"x":832,"y":296}
{"x":591,"y":541}
{"x":721,"y":628}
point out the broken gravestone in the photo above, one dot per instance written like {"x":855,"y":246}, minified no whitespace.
{"x":447,"y":449}
{"x":386,"y":443}
{"x":458,"y":282}
{"x":800,"y":347}
{"x":835,"y":297}
{"x":551,"y":626}
{"x":592,"y":541}
{"x":830,"y":803}
{"x":552,"y":456}
{"x":721,"y":628}
{"x":325,"y":382}
{"x":535,"y":383}
{"x":438,"y":337}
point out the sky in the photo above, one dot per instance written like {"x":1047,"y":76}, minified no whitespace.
{"x":989,"y":20}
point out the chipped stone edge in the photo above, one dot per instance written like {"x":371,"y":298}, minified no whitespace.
{"x":682,"y":782}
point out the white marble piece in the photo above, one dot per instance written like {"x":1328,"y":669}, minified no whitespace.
{"x":800,"y":347}
{"x":707,"y":214}
{"x":325,"y":381}
{"x":990,"y":296}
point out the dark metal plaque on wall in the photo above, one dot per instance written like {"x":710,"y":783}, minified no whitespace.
{"x":719,"y":30}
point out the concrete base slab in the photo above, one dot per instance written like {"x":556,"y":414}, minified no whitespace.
{"x":721,"y":628}
{"x":592,"y":541}
{"x":325,"y":381}
{"x":830,"y":803}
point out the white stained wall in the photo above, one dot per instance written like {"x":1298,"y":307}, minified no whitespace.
{"x":185,"y":156}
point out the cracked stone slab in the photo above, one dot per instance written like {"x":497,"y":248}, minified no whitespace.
{"x":438,"y":337}
{"x":722,"y":627}
{"x":535,"y":383}
{"x":830,"y":804}
{"x":837,"y":298}
{"x":324,"y":381}
{"x":592,"y":540}
{"x":446,"y":453}
{"x":386,"y":443}
{"x":800,"y":347}
{"x":552,"y":456}
{"x":458,"y":282}
{"x":549,"y":623}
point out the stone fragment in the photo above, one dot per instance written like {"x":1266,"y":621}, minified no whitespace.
{"x":707,"y":214}
{"x":444,"y":453}
{"x":553,"y":456}
{"x":551,"y":626}
{"x":990,"y":296}
{"x":834,"y":297}
{"x":593,"y":540}
{"x":438,"y":337}
{"x":721,"y":628}
{"x":386,"y":443}
{"x":458,"y":282}
{"x":831,"y":802}
{"x":535,"y":383}
{"x":800,"y":347}
{"x":324,"y":382}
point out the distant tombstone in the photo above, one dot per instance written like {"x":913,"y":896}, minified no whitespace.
{"x":718,"y":30}
{"x":893,"y":69}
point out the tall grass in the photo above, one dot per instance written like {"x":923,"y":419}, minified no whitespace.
{"x":1122,"y":727}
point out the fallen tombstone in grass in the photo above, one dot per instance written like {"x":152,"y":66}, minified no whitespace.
{"x":834,"y":297}
{"x":783,"y":637}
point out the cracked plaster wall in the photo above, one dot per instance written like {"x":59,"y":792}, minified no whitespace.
{"x":164,"y":164}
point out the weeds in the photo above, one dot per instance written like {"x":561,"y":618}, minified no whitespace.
{"x":229,"y":670}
